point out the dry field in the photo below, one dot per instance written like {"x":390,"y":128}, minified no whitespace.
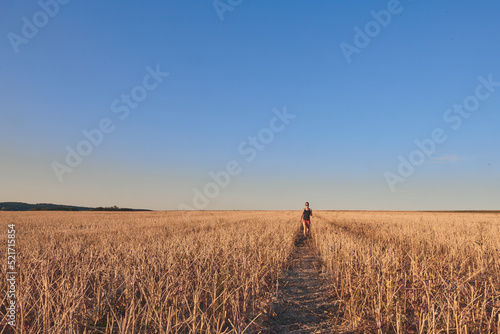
{"x":413,"y":272}
{"x":215,"y":272}
{"x":145,"y":272}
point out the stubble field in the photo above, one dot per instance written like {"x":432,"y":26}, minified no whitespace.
{"x":215,"y":272}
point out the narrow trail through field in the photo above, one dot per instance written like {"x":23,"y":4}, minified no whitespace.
{"x":303,"y":304}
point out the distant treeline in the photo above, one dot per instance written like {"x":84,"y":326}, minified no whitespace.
{"x":19,"y":206}
{"x":113,"y":208}
{"x":54,"y":208}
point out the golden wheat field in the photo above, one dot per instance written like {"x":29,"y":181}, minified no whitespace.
{"x":414,"y":272}
{"x":217,"y":271}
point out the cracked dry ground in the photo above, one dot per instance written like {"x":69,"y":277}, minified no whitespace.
{"x":304,"y":300}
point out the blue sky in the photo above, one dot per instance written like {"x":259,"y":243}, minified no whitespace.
{"x":352,"y":116}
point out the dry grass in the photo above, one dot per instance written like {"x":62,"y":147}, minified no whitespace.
{"x":145,"y":272}
{"x":214,"y":272}
{"x":413,"y":272}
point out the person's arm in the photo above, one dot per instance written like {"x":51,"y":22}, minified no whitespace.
{"x":311,"y":213}
{"x":302,"y":215}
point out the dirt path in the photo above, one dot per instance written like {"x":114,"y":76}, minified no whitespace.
{"x":302,"y":304}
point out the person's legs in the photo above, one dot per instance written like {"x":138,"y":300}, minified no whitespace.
{"x":306,"y":224}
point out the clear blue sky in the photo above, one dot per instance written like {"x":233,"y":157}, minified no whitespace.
{"x":62,"y":68}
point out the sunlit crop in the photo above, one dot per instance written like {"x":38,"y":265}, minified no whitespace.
{"x":161,"y":272}
{"x":413,"y":272}
{"x":217,"y":271}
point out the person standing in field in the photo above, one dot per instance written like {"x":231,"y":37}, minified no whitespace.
{"x":306,"y":219}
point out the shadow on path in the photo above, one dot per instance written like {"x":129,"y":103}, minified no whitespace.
{"x":303,"y":304}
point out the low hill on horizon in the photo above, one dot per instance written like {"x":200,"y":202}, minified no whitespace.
{"x":21,"y":206}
